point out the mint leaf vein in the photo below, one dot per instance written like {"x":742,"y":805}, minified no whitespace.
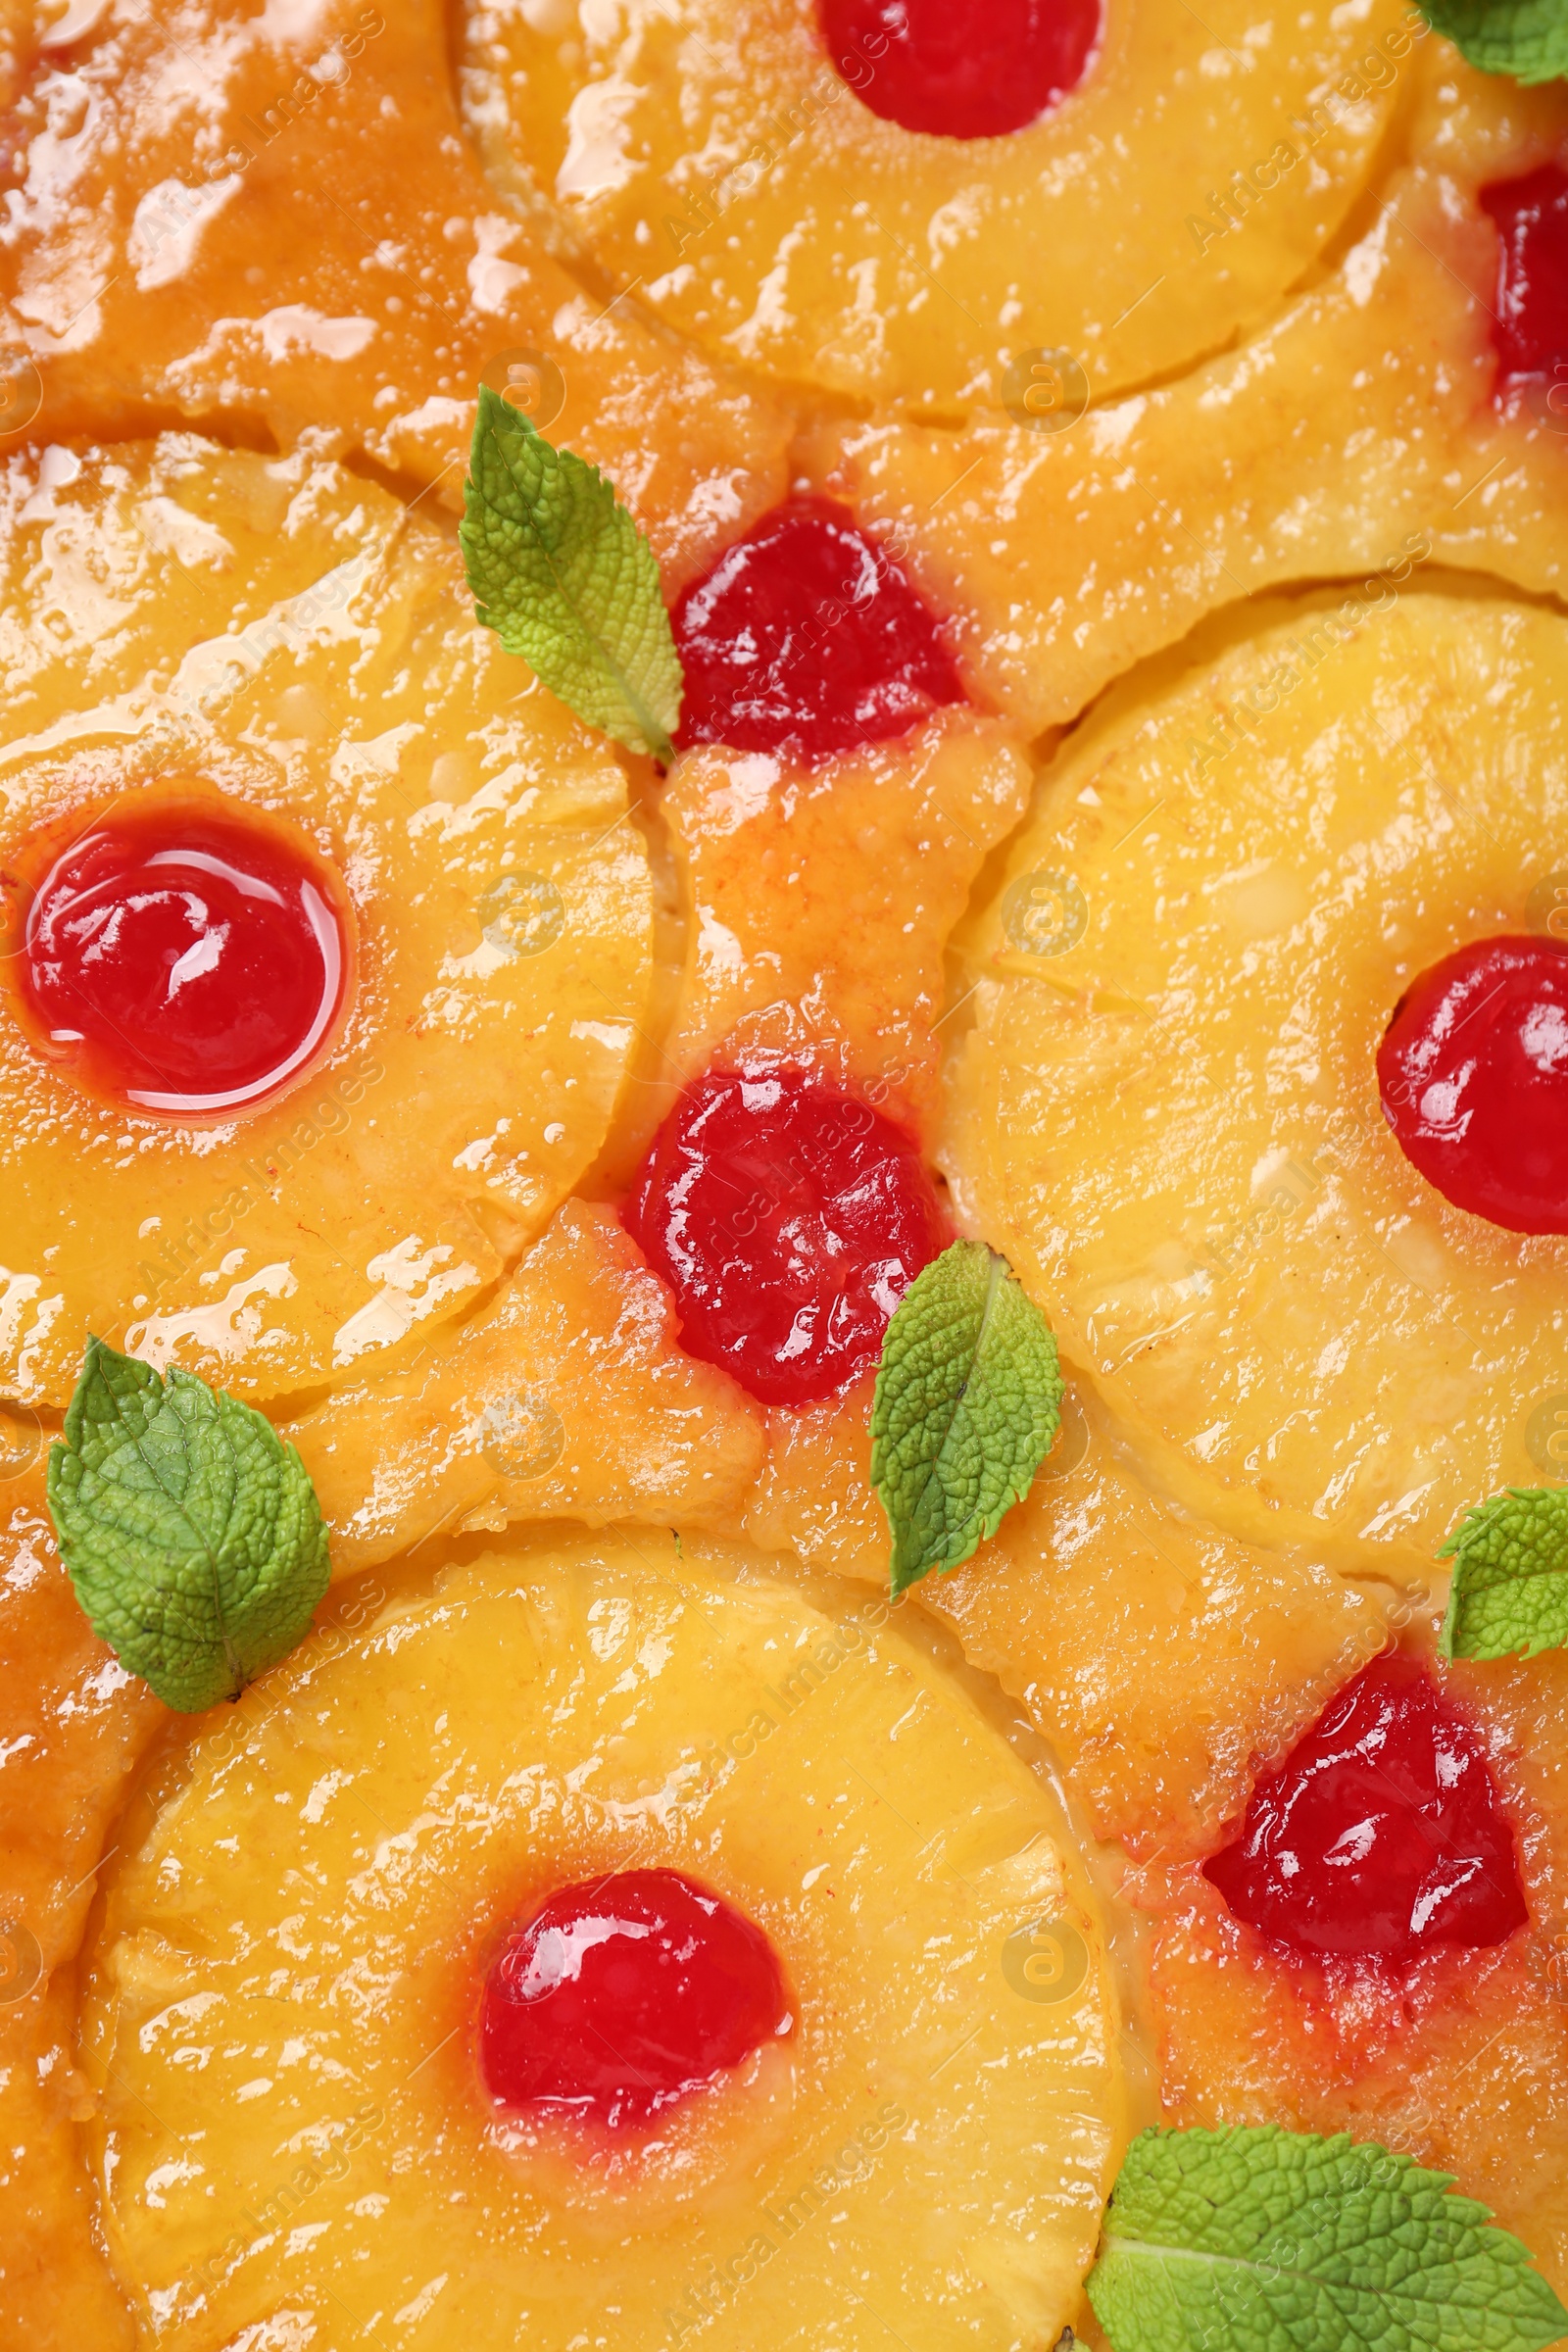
{"x":563,"y":575}
{"x":1510,"y":1576}
{"x":967,"y":1401}
{"x":191,"y":1533}
{"x":1255,"y":2239}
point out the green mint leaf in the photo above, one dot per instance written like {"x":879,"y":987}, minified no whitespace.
{"x":1510,"y":1576}
{"x":1253,"y":2239}
{"x":968,"y":1397}
{"x":1526,"y":40}
{"x":192,"y":1532}
{"x":562,"y":573}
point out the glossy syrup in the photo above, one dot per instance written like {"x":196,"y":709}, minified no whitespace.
{"x":1473,"y":1076}
{"x":1381,"y":1834}
{"x":619,"y":1997}
{"x":183,"y":958}
{"x":805,"y":639}
{"x":789,"y":1219}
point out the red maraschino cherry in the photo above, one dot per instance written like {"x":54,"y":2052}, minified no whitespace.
{"x":963,"y":69}
{"x":804,"y":639}
{"x":1530,"y":331}
{"x":184,"y":957}
{"x":1381,"y":1834}
{"x":789,"y":1219}
{"x":1473,"y":1073}
{"x":621,"y":1997}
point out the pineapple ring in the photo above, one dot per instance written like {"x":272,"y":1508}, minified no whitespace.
{"x":716,"y":161}
{"x":1167,"y":1112}
{"x":282,"y":1996}
{"x":285,"y":634}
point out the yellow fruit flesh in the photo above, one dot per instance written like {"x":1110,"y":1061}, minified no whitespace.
{"x":716,"y":162}
{"x":289,"y":234}
{"x":1170,"y":1122}
{"x":281,"y":632}
{"x":1083,"y":1584}
{"x":281,"y":1999}
{"x":818,"y":906}
{"x":74,"y":1728}
{"x":1462,"y":2066}
{"x":569,"y":1399}
{"x":1354,"y":427}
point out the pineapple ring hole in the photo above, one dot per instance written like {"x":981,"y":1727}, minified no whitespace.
{"x":1473,"y":1078}
{"x":963,"y":69}
{"x":180,"y":951}
{"x":619,"y":1997}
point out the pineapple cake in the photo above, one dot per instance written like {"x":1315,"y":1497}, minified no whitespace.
{"x":783,"y":1006}
{"x":292,"y":1957}
{"x":276,"y":1168}
{"x":773,"y":178}
{"x":270,"y":224}
{"x":1193,"y":1126}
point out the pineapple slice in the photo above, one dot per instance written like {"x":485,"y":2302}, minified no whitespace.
{"x":284,"y":633}
{"x":74,"y":1727}
{"x":714,"y":160}
{"x":281,"y":2002}
{"x":1084,"y":1585}
{"x":568,"y":1398}
{"x":290,"y":234}
{"x":821,"y":905}
{"x":1462,"y":2064}
{"x":1353,"y":430}
{"x":1168,"y":1113}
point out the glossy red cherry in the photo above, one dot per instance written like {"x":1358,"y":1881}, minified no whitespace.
{"x":1530,"y":331}
{"x":789,"y":1220}
{"x":1473,"y":1072}
{"x":804,"y":639}
{"x":963,"y":68}
{"x":1381,"y":1833}
{"x":183,"y":958}
{"x":621,"y":1996}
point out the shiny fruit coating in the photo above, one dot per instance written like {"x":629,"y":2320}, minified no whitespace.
{"x":804,"y":639}
{"x":963,"y":68}
{"x":184,"y":957}
{"x":789,"y":1220}
{"x":1381,"y":1833}
{"x":1529,"y":330}
{"x":621,"y":1996}
{"x":1473,"y":1072}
